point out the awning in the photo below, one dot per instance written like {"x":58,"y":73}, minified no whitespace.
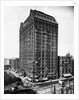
{"x":45,"y":78}
{"x":67,"y":75}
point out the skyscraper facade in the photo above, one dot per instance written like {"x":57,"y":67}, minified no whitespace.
{"x":39,"y":46}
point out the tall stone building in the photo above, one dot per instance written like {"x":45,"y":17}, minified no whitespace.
{"x":39,"y":46}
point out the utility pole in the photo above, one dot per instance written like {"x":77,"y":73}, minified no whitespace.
{"x":62,"y":91}
{"x":67,"y":90}
{"x":54,"y":90}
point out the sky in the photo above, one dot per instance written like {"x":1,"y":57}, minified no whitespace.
{"x":14,"y":15}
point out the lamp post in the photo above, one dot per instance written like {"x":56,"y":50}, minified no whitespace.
{"x":62,"y":89}
{"x":54,"y":90}
{"x":67,"y":90}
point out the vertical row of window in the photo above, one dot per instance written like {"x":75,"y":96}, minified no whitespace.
{"x":38,"y":49}
{"x":26,"y":43}
{"x":44,"y":42}
{"x":66,"y":70}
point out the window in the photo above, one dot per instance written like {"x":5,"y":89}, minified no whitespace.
{"x":47,"y":17}
{"x":38,"y":14}
{"x":41,"y":15}
{"x":50,"y":18}
{"x":66,"y":70}
{"x":62,"y":70}
{"x":69,"y":70}
{"x":35,"y":13}
{"x":44,"y":16}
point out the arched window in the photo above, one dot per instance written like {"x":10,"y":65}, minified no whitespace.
{"x":66,"y":70}
{"x":62,"y":70}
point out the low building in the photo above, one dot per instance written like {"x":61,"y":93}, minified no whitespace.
{"x":66,"y":65}
{"x":7,"y":63}
{"x":58,"y":66}
{"x":6,"y":67}
{"x":72,"y":63}
{"x":15,"y":63}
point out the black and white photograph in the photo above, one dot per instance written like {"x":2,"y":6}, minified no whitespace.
{"x":38,"y":49}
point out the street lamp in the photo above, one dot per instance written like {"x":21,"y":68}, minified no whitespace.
{"x":62,"y":91}
{"x":54,"y":90}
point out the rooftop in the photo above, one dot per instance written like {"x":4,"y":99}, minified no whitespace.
{"x":41,"y":15}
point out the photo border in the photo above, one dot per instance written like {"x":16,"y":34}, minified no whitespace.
{"x":42,"y":96}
